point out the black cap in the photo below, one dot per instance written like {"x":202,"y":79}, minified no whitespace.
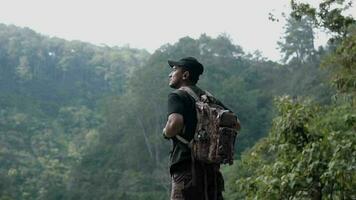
{"x":190,"y":63}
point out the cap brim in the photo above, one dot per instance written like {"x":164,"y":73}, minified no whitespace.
{"x":173,"y":63}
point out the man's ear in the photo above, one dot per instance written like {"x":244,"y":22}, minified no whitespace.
{"x":186,"y":75}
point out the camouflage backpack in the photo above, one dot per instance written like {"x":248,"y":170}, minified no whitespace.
{"x":215,"y":132}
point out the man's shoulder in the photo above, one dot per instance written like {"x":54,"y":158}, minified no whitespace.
{"x":181,"y":96}
{"x":184,"y":93}
{"x":179,"y":93}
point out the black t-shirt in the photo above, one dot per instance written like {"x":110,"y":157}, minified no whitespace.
{"x":182,"y":103}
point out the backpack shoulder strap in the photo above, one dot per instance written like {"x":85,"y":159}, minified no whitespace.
{"x":215,"y":100}
{"x":190,"y":92}
{"x":208,"y":94}
{"x":184,"y":141}
{"x":186,"y":91}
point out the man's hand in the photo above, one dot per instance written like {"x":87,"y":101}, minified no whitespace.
{"x":174,"y":125}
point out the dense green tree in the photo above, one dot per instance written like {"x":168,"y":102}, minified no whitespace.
{"x":306,"y":155}
{"x":298,"y":42}
{"x":329,"y":14}
{"x":49,"y":90}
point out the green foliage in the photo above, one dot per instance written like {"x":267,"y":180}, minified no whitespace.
{"x":49,"y":90}
{"x":343,"y":64}
{"x":310,"y":150}
{"x":341,"y":61}
{"x":306,"y":155}
{"x":329,"y":15}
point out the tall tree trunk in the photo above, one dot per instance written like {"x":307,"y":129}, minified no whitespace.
{"x":316,"y":193}
{"x":158,"y":129}
{"x":145,"y":136}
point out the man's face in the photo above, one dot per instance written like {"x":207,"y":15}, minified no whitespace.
{"x":176,"y":77}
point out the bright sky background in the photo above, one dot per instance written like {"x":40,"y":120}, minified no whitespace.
{"x":149,"y":24}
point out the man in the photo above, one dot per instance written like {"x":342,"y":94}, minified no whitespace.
{"x":190,"y":180}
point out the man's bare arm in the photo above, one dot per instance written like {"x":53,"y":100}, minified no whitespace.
{"x":174,"y":125}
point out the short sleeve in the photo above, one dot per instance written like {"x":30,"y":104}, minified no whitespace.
{"x":175,"y":104}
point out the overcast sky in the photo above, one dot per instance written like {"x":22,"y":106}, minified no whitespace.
{"x":149,"y":24}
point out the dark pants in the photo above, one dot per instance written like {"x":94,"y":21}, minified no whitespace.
{"x":209,"y":184}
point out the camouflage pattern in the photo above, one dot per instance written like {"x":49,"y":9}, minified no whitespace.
{"x":216,"y":131}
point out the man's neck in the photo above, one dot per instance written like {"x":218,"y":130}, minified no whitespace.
{"x":186,"y":84}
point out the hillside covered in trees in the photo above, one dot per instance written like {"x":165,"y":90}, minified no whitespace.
{"x":80,"y":121}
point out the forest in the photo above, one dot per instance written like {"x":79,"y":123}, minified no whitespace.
{"x":80,"y":121}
